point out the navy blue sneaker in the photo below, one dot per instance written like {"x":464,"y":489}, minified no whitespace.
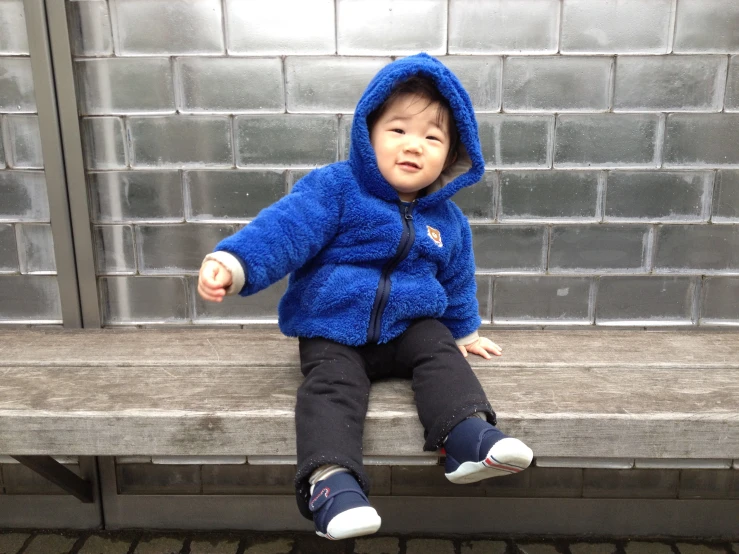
{"x":475,"y":450}
{"x":341,"y":510}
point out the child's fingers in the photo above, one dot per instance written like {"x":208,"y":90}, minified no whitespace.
{"x":215,"y":276}
{"x":211,"y":276}
{"x":480,"y":351}
{"x":463,"y":350}
{"x":490,"y":346}
{"x":213,"y":295}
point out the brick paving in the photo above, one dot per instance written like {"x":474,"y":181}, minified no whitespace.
{"x":131,"y":542}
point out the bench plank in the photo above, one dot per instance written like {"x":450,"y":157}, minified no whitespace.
{"x":266,"y":346}
{"x":200,"y":392}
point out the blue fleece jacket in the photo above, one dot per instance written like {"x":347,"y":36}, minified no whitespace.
{"x":362,"y":263}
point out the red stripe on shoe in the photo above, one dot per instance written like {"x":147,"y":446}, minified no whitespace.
{"x":491,"y":463}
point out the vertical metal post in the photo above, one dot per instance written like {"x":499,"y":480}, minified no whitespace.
{"x":56,"y":186}
{"x":53,"y":75}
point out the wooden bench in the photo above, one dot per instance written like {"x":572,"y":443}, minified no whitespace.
{"x":593,"y":393}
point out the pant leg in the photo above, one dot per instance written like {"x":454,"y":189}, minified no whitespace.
{"x":446,"y":389}
{"x":329,"y":413}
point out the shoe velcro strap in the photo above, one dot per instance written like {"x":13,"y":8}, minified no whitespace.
{"x":326,"y":493}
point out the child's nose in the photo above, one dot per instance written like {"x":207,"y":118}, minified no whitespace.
{"x":413,"y":145}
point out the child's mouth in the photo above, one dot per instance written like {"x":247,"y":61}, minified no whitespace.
{"x":409,"y":165}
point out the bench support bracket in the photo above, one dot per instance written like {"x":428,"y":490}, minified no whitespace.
{"x":50,"y":469}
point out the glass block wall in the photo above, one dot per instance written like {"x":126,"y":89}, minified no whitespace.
{"x":610,"y":132}
{"x":29,"y":293}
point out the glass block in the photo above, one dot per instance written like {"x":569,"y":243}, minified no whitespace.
{"x":144,"y":300}
{"x":669,"y":83}
{"x":286,"y":140}
{"x":179,"y":141}
{"x":294,"y":175}
{"x":24,"y":150}
{"x":345,"y":136}
{"x":484,"y":296}
{"x":598,"y":248}
{"x":503,"y":26}
{"x":114,"y":249}
{"x":701,"y":140}
{"x":554,"y":195}
{"x":720,"y":303}
{"x":16,"y":85}
{"x":280,"y":27}
{"x":125,"y":86}
{"x":330,"y":84}
{"x":120,"y":196}
{"x":726,"y":197}
{"x":257,"y":308}
{"x":36,"y":248}
{"x":606,"y":140}
{"x":480,"y":76}
{"x":162,"y":27}
{"x":516,"y":140}
{"x":557,"y":84}
{"x":658,"y":195}
{"x":177,"y":248}
{"x":692,"y":248}
{"x":508,"y":248}
{"x":90,"y":31}
{"x":8,"y":249}
{"x":30,"y":299}
{"x":23,"y":196}
{"x":625,"y":26}
{"x":478,"y":201}
{"x":707,"y":26}
{"x":391,"y":27}
{"x":644,"y":300}
{"x":541,"y":300}
{"x":231,"y":85}
{"x":232,"y":195}
{"x":13,"y":36}
{"x":731,"y":103}
{"x":104,"y":143}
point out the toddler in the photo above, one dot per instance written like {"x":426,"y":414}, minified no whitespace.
{"x":382,"y":284}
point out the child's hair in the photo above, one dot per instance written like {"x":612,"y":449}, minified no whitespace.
{"x":423,"y":87}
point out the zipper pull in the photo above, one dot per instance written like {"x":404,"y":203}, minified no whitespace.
{"x":408,"y":209}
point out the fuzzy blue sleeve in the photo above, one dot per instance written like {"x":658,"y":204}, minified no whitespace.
{"x":462,"y":315}
{"x":284,"y":236}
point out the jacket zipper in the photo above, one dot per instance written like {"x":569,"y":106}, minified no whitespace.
{"x":383,"y":289}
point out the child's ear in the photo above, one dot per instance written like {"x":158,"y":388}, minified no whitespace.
{"x":451,"y":162}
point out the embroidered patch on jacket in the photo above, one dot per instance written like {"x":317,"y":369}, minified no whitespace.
{"x":435,"y":235}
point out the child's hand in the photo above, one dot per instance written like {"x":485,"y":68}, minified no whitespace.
{"x":481,"y":347}
{"x":213,"y":281}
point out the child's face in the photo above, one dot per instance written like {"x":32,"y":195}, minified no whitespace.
{"x":410,"y":147}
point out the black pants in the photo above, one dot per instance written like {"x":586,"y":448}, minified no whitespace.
{"x":332,"y":401}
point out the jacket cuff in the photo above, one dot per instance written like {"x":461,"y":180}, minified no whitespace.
{"x":469,"y":339}
{"x":232,"y":263}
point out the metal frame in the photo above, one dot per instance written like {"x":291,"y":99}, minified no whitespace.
{"x":616,"y":517}
{"x":53,"y":76}
{"x":47,"y":511}
{"x":61,"y":225}
{"x":53,"y":471}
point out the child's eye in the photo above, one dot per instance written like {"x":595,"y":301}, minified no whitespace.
{"x":399,"y":131}
{"x":432,"y":137}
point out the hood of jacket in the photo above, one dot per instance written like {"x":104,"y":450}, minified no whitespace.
{"x":469,"y":167}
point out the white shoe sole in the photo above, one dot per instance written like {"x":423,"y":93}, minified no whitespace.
{"x":352,"y":523}
{"x":507,"y":456}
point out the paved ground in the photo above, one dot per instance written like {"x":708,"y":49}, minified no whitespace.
{"x":131,"y":542}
